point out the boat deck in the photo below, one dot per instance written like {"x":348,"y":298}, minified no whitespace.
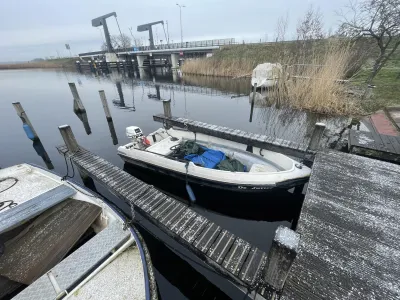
{"x":350,"y":232}
{"x":225,"y":252}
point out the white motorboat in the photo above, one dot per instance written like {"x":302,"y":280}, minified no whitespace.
{"x":233,"y":165}
{"x":266,"y":75}
{"x":58,"y":240}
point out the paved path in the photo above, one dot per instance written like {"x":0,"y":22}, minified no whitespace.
{"x":382,"y":124}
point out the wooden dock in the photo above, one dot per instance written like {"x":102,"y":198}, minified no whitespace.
{"x":375,"y":145}
{"x":393,"y":112}
{"x":225,"y":252}
{"x":299,"y":150}
{"x":350,"y":232}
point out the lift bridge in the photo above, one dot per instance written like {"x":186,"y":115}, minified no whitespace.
{"x":173,"y":52}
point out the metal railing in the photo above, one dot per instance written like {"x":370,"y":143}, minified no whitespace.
{"x":195,"y":44}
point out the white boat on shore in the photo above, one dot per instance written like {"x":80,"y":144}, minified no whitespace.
{"x":59,"y":240}
{"x":266,"y":75}
{"x":216,"y":162}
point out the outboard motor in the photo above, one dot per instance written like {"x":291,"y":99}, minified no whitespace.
{"x":138,"y":139}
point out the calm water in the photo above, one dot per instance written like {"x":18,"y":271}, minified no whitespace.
{"x":47,"y":100}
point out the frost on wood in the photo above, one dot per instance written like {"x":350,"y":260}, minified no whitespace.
{"x":287,"y":238}
{"x":364,"y":140}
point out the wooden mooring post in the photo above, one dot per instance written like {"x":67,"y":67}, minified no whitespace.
{"x":316,"y":136}
{"x":72,"y":146}
{"x":78,"y":105}
{"x":105,"y":105}
{"x":252,"y":102}
{"x":281,"y":255}
{"x":69,"y":138}
{"x":167,"y":112}
{"x":25,"y":120}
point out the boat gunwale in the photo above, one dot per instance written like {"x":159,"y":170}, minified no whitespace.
{"x":125,"y":147}
{"x":246,"y":187}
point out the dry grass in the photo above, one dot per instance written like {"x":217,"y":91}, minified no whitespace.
{"x":210,"y":67}
{"x":47,"y":64}
{"x":232,"y":61}
{"x":316,"y":88}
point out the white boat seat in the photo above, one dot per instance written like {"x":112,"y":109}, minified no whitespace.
{"x":257,"y":168}
{"x":27,"y":210}
{"x":164,"y":147}
{"x":78,"y":264}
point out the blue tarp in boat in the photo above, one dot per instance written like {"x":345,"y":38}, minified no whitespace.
{"x":209,"y":159}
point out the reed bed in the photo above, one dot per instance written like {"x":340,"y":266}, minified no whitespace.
{"x":313,"y":86}
{"x":48,"y":64}
{"x":316,"y":87}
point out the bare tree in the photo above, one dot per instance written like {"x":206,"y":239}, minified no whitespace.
{"x":136,"y":41}
{"x":378,"y":20}
{"x":118,"y":41}
{"x":311,"y":27}
{"x":281,"y":28}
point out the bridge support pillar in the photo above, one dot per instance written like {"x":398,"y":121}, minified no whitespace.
{"x":140,"y":60}
{"x":111,"y":57}
{"x":175,"y":60}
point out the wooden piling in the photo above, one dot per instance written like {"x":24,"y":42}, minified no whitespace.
{"x":113,"y":133}
{"x":78,"y":105}
{"x":69,"y":138}
{"x":167,"y":108}
{"x":167,"y":112}
{"x":252,"y":102}
{"x":281,"y":255}
{"x":85,"y":121}
{"x":105,"y":105}
{"x":316,"y":136}
{"x":24,"y":118}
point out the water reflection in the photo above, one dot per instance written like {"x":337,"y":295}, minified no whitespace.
{"x":82,"y":115}
{"x":39,"y":148}
{"x":157,"y":95}
{"x":297,"y":126}
{"x":120,"y":103}
{"x":226,"y":85}
{"x":184,"y":277}
{"x":112,"y":131}
{"x":120,"y":93}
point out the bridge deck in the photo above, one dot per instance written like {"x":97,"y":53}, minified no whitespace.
{"x":221,"y":249}
{"x":350,"y":233}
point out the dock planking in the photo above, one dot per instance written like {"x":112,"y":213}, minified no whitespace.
{"x":375,"y":145}
{"x":251,"y":139}
{"x":225,"y":252}
{"x":350,"y":233}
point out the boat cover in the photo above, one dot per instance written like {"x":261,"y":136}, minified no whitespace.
{"x":209,"y":159}
{"x":232,"y":165}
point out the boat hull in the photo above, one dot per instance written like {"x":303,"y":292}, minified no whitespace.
{"x":219,"y":185}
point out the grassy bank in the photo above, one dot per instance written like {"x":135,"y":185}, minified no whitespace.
{"x":45,"y":64}
{"x":320,"y":95}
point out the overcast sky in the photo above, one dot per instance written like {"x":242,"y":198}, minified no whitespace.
{"x":40,"y":28}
